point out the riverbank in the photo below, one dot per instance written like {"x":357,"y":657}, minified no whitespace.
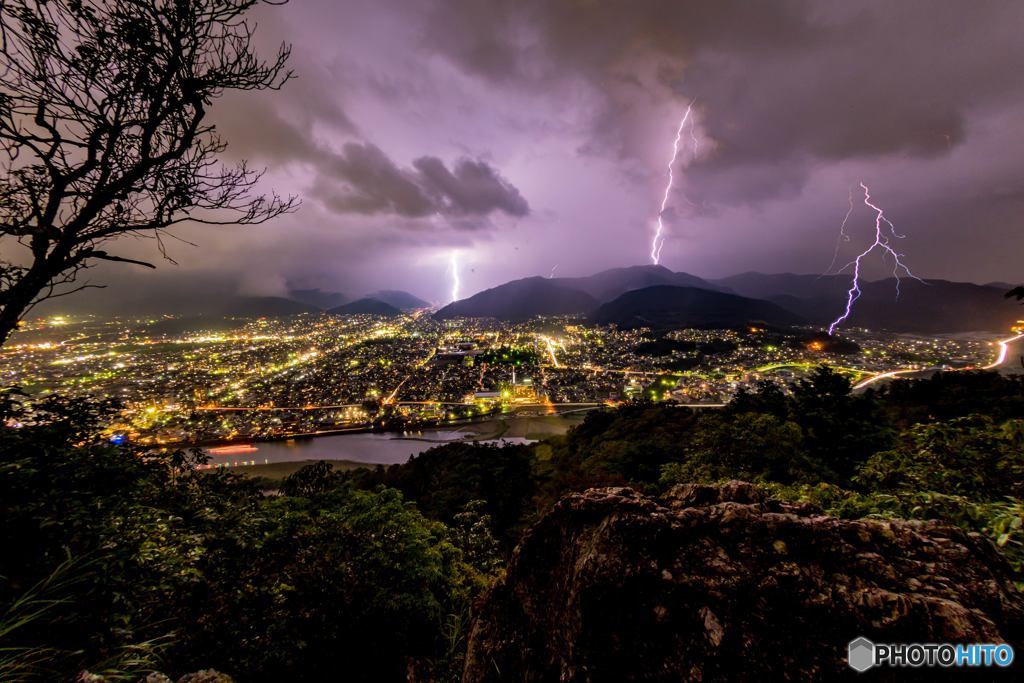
{"x":531,"y":428}
{"x":277,"y":471}
{"x":481,"y":428}
{"x":388,"y":448}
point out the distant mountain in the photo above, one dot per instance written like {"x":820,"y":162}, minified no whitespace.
{"x":192,"y":324}
{"x":667,"y":306}
{"x":403,"y":301}
{"x":609,"y":284}
{"x":935,"y":306}
{"x":262,"y":306}
{"x":318,"y":297}
{"x":770,"y":286}
{"x":521,"y":300}
{"x":366,"y":306}
{"x":189,"y":302}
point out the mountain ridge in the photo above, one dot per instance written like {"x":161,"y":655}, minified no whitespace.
{"x":609,"y":284}
{"x":664,"y":306}
{"x":366,"y":306}
{"x":400,"y":299}
{"x":520,"y":300}
{"x":928,"y":306}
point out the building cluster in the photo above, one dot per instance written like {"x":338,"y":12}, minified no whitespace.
{"x":222,"y":379}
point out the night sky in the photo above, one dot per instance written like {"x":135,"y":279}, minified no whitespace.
{"x":533,"y":133}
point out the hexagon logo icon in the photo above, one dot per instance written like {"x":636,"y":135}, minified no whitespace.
{"x":861,"y":654}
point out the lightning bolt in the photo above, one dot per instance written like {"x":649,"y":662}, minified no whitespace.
{"x":553,"y":269}
{"x":659,"y":241}
{"x":453,"y":268}
{"x":843,"y":237}
{"x":693,"y":134}
{"x":881,"y":241}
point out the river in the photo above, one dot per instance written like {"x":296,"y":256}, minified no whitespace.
{"x":384,"y":448}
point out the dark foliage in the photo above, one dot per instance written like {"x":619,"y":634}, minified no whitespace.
{"x":947,"y":395}
{"x":840,"y":430}
{"x":325,"y":582}
{"x":508,"y":355}
{"x":630,"y":444}
{"x":339,"y":576}
{"x":818,"y":430}
{"x":663,"y":347}
{"x":444,"y":480}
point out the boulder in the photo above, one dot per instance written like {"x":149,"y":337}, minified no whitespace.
{"x":712,"y":583}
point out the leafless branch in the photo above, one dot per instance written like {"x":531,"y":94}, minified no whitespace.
{"x":102,"y":131}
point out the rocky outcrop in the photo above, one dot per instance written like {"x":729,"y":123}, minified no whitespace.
{"x":713,"y":583}
{"x":202,"y":676}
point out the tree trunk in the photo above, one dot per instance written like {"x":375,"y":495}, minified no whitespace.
{"x":17,"y":300}
{"x":10,"y":315}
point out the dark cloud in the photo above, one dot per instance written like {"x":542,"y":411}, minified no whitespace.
{"x":779,"y":85}
{"x":473,"y":188}
{"x":281,"y":126}
{"x":257,"y":130}
{"x":364,"y":180}
{"x":575,"y":102}
{"x":537,"y":41}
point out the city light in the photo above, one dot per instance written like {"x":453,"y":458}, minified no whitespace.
{"x":323,"y":374}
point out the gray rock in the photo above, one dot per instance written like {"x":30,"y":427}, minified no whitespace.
{"x":206,"y":676}
{"x":717,"y":583}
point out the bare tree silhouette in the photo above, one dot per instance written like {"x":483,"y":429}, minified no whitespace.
{"x":102,"y":122}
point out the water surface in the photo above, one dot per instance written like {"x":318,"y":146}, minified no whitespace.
{"x":384,"y":448}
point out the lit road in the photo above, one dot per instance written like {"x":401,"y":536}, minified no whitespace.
{"x":1008,"y":359}
{"x":1011,"y":355}
{"x":391,"y":397}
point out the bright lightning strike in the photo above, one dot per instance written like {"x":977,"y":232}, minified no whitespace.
{"x":553,"y":269}
{"x":453,"y":268}
{"x":880,"y":241}
{"x":659,"y":240}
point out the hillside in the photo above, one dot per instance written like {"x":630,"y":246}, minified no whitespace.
{"x":404,"y":301}
{"x":799,"y":285}
{"x":261,"y":306}
{"x":365,"y":306}
{"x":609,"y":284}
{"x":521,"y":300}
{"x":665,"y":306}
{"x":931,"y":307}
{"x":318,"y":297}
{"x":935,"y":306}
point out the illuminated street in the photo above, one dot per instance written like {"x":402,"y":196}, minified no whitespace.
{"x":230,"y":379}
